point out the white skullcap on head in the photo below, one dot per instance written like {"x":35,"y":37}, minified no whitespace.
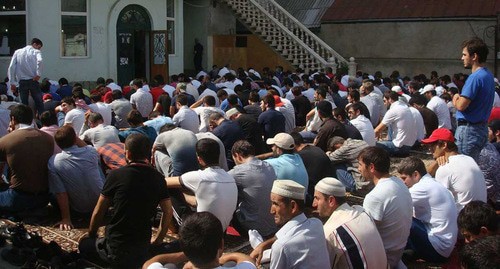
{"x":288,"y":188}
{"x":231,"y":112}
{"x":330,"y":186}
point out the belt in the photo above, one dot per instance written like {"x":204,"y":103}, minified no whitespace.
{"x":464,"y":122}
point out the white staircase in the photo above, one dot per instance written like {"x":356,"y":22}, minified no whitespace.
{"x":285,"y":34}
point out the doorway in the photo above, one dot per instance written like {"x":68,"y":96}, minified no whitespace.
{"x":133,"y":46}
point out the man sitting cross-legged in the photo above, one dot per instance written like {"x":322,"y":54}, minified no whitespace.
{"x":74,"y":176}
{"x":202,"y":241}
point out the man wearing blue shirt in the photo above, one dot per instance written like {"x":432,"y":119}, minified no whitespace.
{"x":475,"y":102}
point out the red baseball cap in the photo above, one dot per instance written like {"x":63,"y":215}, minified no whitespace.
{"x":277,"y":101}
{"x":442,"y":134}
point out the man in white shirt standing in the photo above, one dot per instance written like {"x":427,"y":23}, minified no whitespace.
{"x":389,"y":203}
{"x":25,"y":70}
{"x":433,"y":232}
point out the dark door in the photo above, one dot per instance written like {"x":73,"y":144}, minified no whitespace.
{"x":132,"y":30}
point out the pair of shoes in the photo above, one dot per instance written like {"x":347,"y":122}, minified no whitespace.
{"x":21,"y":238}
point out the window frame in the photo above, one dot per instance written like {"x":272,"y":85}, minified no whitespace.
{"x":171,"y":19}
{"x":26,"y":21}
{"x":87,"y":26}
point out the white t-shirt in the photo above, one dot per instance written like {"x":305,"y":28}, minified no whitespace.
{"x":463,"y":178}
{"x":419,"y":123}
{"x":435,"y":207}
{"x":309,"y":93}
{"x":75,"y":117}
{"x":365,"y":127}
{"x":204,"y":113}
{"x":101,"y":135}
{"x":399,"y":120}
{"x":390,"y":205}
{"x":215,"y":192}
{"x":104,"y":110}
{"x":143,"y":100}
{"x":439,"y":107}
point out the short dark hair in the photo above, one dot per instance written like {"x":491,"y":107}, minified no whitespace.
{"x":297,"y":138}
{"x":134,"y":117}
{"x":116,"y":94}
{"x":254,"y":97}
{"x":137,"y":82}
{"x":201,"y":237}
{"x":65,"y":137}
{"x":411,"y":164}
{"x":209,"y":100}
{"x":378,"y":157}
{"x":322,"y":91}
{"x":167,"y":127}
{"x":340,"y":112}
{"x":22,"y":114}
{"x":36,"y":41}
{"x":269,"y":100}
{"x":417,"y":99}
{"x":300,"y":203}
{"x":243,"y":148}
{"x":354,"y":94}
{"x":100,"y":80}
{"x":68,"y":100}
{"x":139,"y":146}
{"x":477,"y":214}
{"x":390,"y":95}
{"x":63,"y":81}
{"x":476,"y":45}
{"x":232,"y":99}
{"x":208,"y":150}
{"x":95,"y":117}
{"x":182,"y":99}
{"x":296,"y":91}
{"x":481,"y":253}
{"x":48,"y":118}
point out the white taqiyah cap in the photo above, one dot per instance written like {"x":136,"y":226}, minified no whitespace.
{"x":288,"y":188}
{"x":331,"y":186}
{"x":231,"y":112}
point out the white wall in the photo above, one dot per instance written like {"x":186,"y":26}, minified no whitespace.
{"x":44,"y":22}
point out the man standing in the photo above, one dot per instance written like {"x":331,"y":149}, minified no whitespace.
{"x":475,"y":101}
{"x":135,"y":191}
{"x":351,"y":236}
{"x":389,"y":203}
{"x":74,"y":176}
{"x":433,"y":232}
{"x":198,"y":55}
{"x":459,"y":173}
{"x":300,"y":242}
{"x":27,"y":151}
{"x":25,"y":70}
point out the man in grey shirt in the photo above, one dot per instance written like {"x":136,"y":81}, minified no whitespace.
{"x":120,"y":107}
{"x":74,"y":176}
{"x":254,"y":179}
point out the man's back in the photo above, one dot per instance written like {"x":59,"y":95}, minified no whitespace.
{"x":179,"y":145}
{"x":255,"y":180}
{"x":463,"y":178}
{"x":317,"y":164}
{"x":135,"y":191}
{"x":27,"y":152}
{"x":400,"y":120}
{"x":439,"y":107}
{"x":187,"y":119}
{"x":143,"y":100}
{"x":272,"y":122}
{"x":390,"y":205}
{"x":215,"y":192}
{"x":352,"y":239}
{"x":121,"y":108}
{"x":302,"y":106}
{"x":290,"y":166}
{"x":76,"y":172}
{"x":101,"y":135}
{"x":431,"y":121}
{"x":435,"y":207}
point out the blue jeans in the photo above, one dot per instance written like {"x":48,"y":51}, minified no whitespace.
{"x":12,"y":200}
{"x":471,"y":139}
{"x":403,"y":151}
{"x":31,"y":86}
{"x":419,"y":242}
{"x":345,"y":177}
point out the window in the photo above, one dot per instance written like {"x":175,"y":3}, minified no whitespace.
{"x":170,"y":27}
{"x":12,"y":26}
{"x":74,"y":41}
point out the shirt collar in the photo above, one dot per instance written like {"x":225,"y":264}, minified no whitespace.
{"x":25,"y":126}
{"x":290,"y":224}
